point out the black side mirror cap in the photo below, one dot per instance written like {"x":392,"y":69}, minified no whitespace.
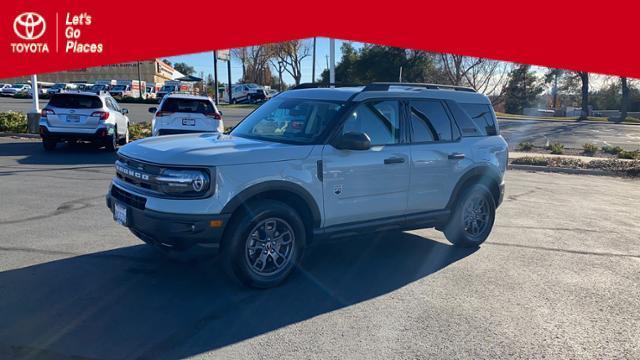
{"x":153,"y":110}
{"x":353,"y":141}
{"x":124,"y":111}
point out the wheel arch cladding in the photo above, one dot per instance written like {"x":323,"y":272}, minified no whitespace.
{"x":286,"y":192}
{"x":477,"y":175}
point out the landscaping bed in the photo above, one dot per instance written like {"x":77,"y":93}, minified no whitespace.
{"x":591,"y":150}
{"x":613,"y":166}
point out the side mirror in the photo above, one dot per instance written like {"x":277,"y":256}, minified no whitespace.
{"x":220,"y":112}
{"x":153,"y":110}
{"x":124,"y":111}
{"x":353,"y":141}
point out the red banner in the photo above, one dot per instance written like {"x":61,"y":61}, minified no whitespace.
{"x":51,"y":35}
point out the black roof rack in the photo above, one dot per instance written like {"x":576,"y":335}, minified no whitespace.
{"x":322,"y":85}
{"x":384,"y":86}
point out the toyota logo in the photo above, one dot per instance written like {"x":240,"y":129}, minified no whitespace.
{"x":29,"y":26}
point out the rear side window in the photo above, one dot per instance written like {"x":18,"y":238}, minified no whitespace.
{"x":430,"y":122}
{"x":74,"y":101}
{"x":479,"y":120}
{"x":188,"y":106}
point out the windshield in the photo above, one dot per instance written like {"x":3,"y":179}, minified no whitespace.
{"x":119,"y":87}
{"x":289,"y":120}
{"x":18,"y":86}
{"x":58,"y":86}
{"x":167,"y":88}
{"x":97,"y":87}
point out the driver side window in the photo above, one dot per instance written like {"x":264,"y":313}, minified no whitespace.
{"x":378,"y":119}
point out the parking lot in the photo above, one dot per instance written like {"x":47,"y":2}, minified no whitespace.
{"x":558,"y":278}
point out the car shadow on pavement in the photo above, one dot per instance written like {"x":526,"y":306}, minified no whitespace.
{"x":133,"y":302}
{"x":33,"y":153}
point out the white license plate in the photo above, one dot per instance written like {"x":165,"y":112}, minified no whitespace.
{"x":74,"y":118}
{"x":120,"y":213}
{"x":189,"y":122}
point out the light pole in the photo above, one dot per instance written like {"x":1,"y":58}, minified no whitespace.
{"x":313,"y":67}
{"x":332,"y":63}
{"x":215,"y":76}
{"x":33,"y":117}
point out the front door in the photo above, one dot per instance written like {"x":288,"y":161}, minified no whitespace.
{"x":369,"y":184}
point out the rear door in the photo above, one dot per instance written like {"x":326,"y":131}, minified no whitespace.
{"x":74,"y":110}
{"x":361,"y":185}
{"x":438,"y":156}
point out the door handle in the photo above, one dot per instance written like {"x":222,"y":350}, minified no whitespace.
{"x":393,"y":160}
{"x":456,"y":156}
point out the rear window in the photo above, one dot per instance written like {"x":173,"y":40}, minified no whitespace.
{"x":479,"y":120}
{"x":188,"y":106}
{"x":73,"y":101}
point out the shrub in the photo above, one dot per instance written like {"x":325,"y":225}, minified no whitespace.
{"x":12,"y":121}
{"x":589,"y":149}
{"x":139,"y":131}
{"x":615,"y":150}
{"x":556,"y":148}
{"x":633,"y":155}
{"x":525,"y":146}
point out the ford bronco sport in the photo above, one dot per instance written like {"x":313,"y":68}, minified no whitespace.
{"x":314,"y":163}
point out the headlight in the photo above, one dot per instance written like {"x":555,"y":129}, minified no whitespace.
{"x":184,"y":182}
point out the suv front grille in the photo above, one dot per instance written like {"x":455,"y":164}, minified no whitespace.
{"x":136,"y":201}
{"x":137,"y":173}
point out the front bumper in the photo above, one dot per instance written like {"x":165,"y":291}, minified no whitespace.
{"x":168,"y":230}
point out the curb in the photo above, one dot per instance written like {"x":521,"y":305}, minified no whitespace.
{"x":560,"y":170}
{"x":570,"y":121}
{"x":19,"y":135}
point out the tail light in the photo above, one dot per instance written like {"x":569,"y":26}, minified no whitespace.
{"x":102,"y":114}
{"x":214,"y":115}
{"x":46,"y":112}
{"x":163,"y":113}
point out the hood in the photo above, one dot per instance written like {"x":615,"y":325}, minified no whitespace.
{"x":211,"y":149}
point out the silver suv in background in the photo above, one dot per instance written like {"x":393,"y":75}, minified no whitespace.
{"x":314,"y":163}
{"x":84,"y":116}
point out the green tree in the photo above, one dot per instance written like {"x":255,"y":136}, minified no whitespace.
{"x":522,"y":89}
{"x":184,"y":68}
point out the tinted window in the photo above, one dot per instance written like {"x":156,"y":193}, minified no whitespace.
{"x":480,"y":120}
{"x":429,"y":121}
{"x":289,"y":120}
{"x":73,"y":101}
{"x":188,"y":106}
{"x":380,"y":120}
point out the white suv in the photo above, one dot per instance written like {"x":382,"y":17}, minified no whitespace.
{"x":317,"y":163}
{"x":183,"y":113}
{"x":84,"y":116}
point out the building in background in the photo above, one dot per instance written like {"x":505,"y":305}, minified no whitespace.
{"x":151,"y":71}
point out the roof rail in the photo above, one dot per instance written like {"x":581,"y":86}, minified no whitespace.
{"x":322,"y":85}
{"x":384,"y":86}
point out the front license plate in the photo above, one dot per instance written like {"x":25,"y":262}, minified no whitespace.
{"x":120,"y":213}
{"x":189,"y":122}
{"x":74,"y":118}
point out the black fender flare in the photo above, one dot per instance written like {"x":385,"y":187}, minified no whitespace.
{"x":482,"y":171}
{"x":270,"y":186}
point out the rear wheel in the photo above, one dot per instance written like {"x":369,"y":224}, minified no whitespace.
{"x":473,"y":217}
{"x":264,"y":243}
{"x":49,"y":144}
{"x":111,"y":142}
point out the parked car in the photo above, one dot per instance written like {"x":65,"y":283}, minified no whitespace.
{"x":15,"y":89}
{"x":4,"y":86}
{"x":84,"y":116}
{"x":318,"y":163}
{"x":60,"y":87}
{"x":183,"y":113}
{"x":245,"y":93}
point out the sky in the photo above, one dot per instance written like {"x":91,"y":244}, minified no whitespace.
{"x":204,"y":62}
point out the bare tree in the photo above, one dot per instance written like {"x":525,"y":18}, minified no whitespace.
{"x":456,"y":67}
{"x":241,"y":54}
{"x":584,"y":78}
{"x":290,"y":54}
{"x":255,"y":63}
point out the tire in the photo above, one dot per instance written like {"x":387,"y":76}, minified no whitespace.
{"x":49,"y":144}
{"x":477,"y":207}
{"x":125,"y":139}
{"x":111,"y":142}
{"x":250,"y":243}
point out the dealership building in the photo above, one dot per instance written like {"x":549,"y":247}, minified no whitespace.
{"x":154,"y":71}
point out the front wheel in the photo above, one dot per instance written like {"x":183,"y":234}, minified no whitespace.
{"x":265,"y":243}
{"x":473,"y":217}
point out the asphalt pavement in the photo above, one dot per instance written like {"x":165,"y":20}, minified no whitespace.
{"x":559,"y":277}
